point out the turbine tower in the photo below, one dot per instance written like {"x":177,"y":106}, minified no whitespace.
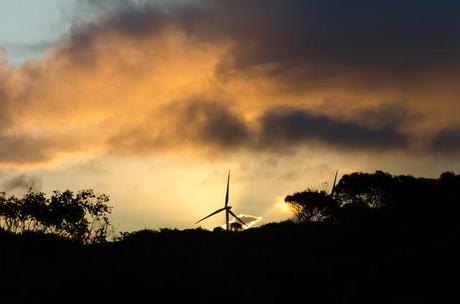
{"x":226,"y":208}
{"x":333,"y":186}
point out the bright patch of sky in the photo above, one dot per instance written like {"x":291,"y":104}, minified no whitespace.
{"x":28,"y":27}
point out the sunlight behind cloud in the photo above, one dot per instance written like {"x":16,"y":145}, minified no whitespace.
{"x":191,"y":91}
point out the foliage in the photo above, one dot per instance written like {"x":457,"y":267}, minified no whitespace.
{"x":81,"y":216}
{"x":312,"y":205}
{"x":218,"y":229}
{"x":359,"y":196}
{"x":235,"y":226}
{"x":392,"y":249}
{"x":373,"y":190}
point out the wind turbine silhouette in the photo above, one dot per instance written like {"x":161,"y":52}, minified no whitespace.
{"x":226,"y":208}
{"x":333,"y":186}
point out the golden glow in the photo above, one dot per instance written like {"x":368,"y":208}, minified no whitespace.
{"x":73,"y":105}
{"x":283,"y":207}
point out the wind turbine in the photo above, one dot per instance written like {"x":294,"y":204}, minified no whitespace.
{"x":226,"y":208}
{"x":333,"y":186}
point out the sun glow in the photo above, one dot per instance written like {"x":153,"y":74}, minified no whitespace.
{"x":152,"y":106}
{"x":282,"y":206}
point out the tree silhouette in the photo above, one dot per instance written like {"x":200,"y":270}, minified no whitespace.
{"x":218,"y":229}
{"x":312,"y":205}
{"x":81,"y":216}
{"x":397,"y":199}
{"x":373,"y":190}
{"x":235,"y":226}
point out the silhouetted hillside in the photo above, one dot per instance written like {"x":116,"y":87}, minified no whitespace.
{"x":275,"y":263}
{"x":390,"y":253}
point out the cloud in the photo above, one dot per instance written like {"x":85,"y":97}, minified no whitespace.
{"x":58,"y":107}
{"x":214,"y":125}
{"x":23,"y":149}
{"x":358,"y":76}
{"x":250,"y":220}
{"x":292,"y":126}
{"x":375,"y":42}
{"x":193,"y":122}
{"x":22,"y":182}
{"x":446,"y":141}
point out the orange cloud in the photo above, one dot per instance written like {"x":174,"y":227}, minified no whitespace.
{"x":140,"y":79}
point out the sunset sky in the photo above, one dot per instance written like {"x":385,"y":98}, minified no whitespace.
{"x":152,"y":102}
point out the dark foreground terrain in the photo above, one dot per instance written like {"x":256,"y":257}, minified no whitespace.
{"x":376,"y":238}
{"x":371,"y":262}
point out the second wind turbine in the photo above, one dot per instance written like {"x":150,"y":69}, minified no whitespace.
{"x":226,"y":208}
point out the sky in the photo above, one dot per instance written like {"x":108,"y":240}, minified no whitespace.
{"x":152,"y":102}
{"x":28,"y":27}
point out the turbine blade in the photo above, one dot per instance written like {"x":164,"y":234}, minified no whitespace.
{"x":235,"y":216}
{"x":214,"y":213}
{"x":335,"y":181}
{"x":228,"y":185}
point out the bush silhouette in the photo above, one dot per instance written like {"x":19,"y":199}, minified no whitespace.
{"x":397,"y":199}
{"x":235,"y":226}
{"x":312,"y":205}
{"x":81,"y":216}
{"x":218,"y":229}
{"x":379,"y":239}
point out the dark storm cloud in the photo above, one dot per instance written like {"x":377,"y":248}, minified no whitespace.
{"x":285,"y":127}
{"x":446,"y":141}
{"x":195,"y":122}
{"x":215,"y":125}
{"x":133,"y":19}
{"x":22,"y":182}
{"x":375,"y":41}
{"x":386,"y":116}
